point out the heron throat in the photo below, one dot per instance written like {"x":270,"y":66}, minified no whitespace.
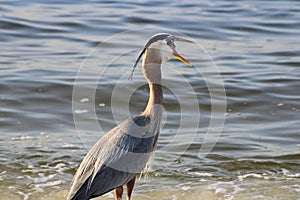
{"x":152,"y":71}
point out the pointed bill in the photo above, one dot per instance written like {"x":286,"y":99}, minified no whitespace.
{"x":179,"y":57}
{"x":184,"y":40}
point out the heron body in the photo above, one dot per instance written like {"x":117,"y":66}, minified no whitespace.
{"x":123,"y":152}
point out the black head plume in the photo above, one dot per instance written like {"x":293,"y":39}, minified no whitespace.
{"x":136,"y":63}
{"x":153,"y":39}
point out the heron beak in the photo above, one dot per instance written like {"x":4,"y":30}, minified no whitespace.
{"x":178,"y":56}
{"x":184,"y":40}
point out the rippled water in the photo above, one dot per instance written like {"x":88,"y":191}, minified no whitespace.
{"x":255,"y":45}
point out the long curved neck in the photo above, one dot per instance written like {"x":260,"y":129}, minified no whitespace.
{"x":151,"y":68}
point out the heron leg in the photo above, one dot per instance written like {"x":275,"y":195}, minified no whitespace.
{"x":129,"y":186}
{"x":118,"y":193}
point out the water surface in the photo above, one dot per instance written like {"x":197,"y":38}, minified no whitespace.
{"x":255,"y":45}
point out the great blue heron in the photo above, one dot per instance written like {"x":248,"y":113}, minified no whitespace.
{"x":123,"y":152}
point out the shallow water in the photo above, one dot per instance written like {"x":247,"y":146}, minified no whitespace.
{"x":50,"y":48}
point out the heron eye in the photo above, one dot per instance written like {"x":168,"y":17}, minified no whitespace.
{"x":170,"y":43}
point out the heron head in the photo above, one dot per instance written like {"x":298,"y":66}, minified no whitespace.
{"x":165,"y":43}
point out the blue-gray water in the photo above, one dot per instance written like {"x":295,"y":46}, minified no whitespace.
{"x":255,"y":45}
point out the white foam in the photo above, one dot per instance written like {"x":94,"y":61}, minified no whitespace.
{"x":226,"y":189}
{"x":50,"y":184}
{"x":288,"y":174}
{"x":60,"y":167}
{"x":251,"y":175}
{"x":84,"y":100}
{"x":24,"y":138}
{"x":43,"y":133}
{"x":280,"y":104}
{"x":185,"y":188}
{"x":26,"y":196}
{"x":203,"y":174}
{"x":3,"y":172}
{"x":81,"y":111}
{"x":67,"y":145}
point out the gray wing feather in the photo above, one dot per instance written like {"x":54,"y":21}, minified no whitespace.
{"x":115,"y":159}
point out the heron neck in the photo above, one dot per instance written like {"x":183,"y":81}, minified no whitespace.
{"x":155,"y":98}
{"x":151,"y":69}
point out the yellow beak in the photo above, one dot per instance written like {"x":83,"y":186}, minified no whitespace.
{"x":182,"y":59}
{"x":178,"y":56}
